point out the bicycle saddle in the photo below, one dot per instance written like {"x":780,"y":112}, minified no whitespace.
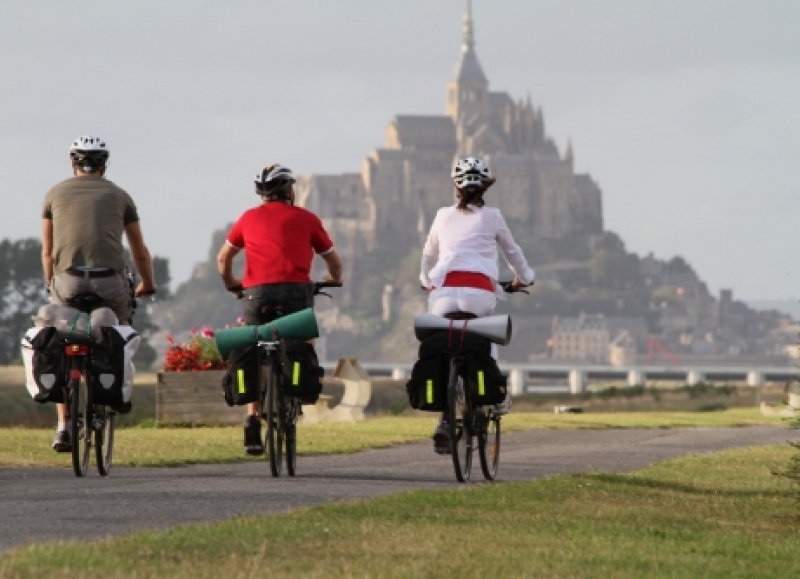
{"x":86,"y":302}
{"x":460,"y":316}
{"x":271,"y":312}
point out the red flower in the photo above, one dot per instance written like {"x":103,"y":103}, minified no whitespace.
{"x":199,"y":353}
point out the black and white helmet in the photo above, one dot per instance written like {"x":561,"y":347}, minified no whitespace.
{"x":274,"y":181}
{"x":89,"y":153}
{"x":471,"y":171}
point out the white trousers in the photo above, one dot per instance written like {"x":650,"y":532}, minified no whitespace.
{"x":446,"y":300}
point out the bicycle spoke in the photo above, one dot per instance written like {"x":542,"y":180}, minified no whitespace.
{"x":458,"y":423}
{"x":292,"y":406}
{"x":80,"y":428}
{"x":274,"y":436}
{"x":489,"y":445}
{"x":104,"y":439}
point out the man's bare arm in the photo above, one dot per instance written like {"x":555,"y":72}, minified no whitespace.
{"x":141,"y":258}
{"x":334,"y":263}
{"x":47,"y":250}
{"x":225,"y":265}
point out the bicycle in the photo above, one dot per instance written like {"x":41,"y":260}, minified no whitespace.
{"x":277,"y":408}
{"x":466,"y":419}
{"x":89,"y":422}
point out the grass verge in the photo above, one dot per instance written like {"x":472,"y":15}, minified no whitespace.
{"x":178,"y":446}
{"x":718,"y":515}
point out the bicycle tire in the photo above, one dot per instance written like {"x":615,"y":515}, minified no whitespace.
{"x":290,"y":433}
{"x":274,"y":436}
{"x":80,"y":429}
{"x":104,"y":439}
{"x":457,"y":422}
{"x":489,"y":445}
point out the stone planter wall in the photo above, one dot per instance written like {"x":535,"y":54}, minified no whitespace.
{"x":194,"y":397}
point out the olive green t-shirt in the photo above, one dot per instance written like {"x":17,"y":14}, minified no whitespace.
{"x":89,"y":216}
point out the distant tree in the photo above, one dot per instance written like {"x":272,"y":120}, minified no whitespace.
{"x":610,"y":241}
{"x":679,"y":265}
{"x":615,"y":269}
{"x":22,"y":293}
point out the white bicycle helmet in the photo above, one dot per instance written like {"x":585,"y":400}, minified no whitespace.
{"x":274,"y":180}
{"x":89,"y":153}
{"x":471,"y":171}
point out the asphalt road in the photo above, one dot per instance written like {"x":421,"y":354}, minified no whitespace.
{"x":45,"y":504}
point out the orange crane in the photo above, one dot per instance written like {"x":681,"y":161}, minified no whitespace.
{"x":654,"y":346}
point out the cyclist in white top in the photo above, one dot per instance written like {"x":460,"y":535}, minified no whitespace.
{"x":459,"y":260}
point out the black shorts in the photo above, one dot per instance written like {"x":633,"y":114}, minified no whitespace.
{"x":264,"y":303}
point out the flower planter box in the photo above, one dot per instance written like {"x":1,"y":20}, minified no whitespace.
{"x":194,"y":398}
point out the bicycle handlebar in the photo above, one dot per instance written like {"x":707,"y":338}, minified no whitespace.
{"x":509,"y":288}
{"x":317,"y":287}
{"x":320,"y":285}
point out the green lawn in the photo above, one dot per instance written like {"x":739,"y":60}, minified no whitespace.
{"x":175,"y":446}
{"x":707,"y":516}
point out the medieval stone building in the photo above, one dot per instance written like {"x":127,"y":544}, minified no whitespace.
{"x":403,"y":183}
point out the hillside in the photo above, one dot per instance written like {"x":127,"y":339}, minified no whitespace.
{"x":371,"y":317}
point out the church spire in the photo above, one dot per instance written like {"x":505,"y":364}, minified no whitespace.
{"x":469,"y":32}
{"x":467,"y":91}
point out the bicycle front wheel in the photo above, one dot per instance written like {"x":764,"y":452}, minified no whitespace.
{"x":103,"y":438}
{"x":80,"y":427}
{"x":457,"y":422}
{"x":489,"y":445}
{"x":274,"y":423}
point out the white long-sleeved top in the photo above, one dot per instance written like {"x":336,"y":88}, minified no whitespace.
{"x":468,"y":241}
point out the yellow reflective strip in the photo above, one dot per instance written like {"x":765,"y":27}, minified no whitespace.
{"x":240,"y":380}
{"x":429,"y":391}
{"x":481,"y":387}
{"x":296,"y":374}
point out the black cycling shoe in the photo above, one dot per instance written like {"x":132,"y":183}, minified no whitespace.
{"x":62,"y":442}
{"x":441,"y":438}
{"x":253,"y":445}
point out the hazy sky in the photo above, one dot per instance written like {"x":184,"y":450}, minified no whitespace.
{"x":687,"y":112}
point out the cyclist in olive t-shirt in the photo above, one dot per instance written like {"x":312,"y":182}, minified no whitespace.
{"x":83,"y":220}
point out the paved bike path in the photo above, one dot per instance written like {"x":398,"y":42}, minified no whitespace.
{"x":46,"y":504}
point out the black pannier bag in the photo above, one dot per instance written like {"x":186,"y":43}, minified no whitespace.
{"x":302,"y":374}
{"x":240,"y":383}
{"x":111,"y":368}
{"x":427,"y":388}
{"x":486,"y":384}
{"x":45,"y":364}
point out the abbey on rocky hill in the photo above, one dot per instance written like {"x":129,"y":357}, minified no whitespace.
{"x":402,"y":184}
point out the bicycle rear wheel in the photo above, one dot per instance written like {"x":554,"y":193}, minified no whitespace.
{"x":103,"y":438}
{"x":489,"y":445}
{"x":291,"y":408}
{"x":457,"y":417}
{"x":274,"y":423}
{"x":80,"y":428}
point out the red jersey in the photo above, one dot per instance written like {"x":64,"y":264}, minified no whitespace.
{"x":279,"y":241}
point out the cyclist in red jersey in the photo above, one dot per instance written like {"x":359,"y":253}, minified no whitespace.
{"x":279,"y":240}
{"x":459,"y":260}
